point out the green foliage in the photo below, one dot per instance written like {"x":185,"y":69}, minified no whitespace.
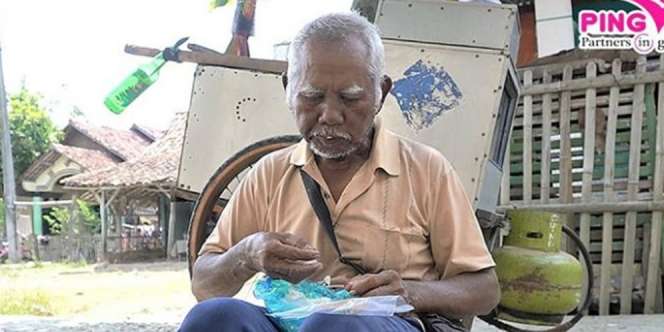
{"x":32,"y":131}
{"x":57,"y":219}
{"x":60,"y":220}
{"x":89,"y":216}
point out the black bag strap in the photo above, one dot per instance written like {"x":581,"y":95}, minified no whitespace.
{"x":323,"y":214}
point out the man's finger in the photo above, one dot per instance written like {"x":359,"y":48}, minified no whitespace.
{"x":290,"y":252}
{"x":294,"y":240}
{"x":362,"y":286}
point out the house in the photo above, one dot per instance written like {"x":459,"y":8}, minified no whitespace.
{"x":84,"y":148}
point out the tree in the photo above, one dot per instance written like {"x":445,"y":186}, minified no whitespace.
{"x":32,"y":131}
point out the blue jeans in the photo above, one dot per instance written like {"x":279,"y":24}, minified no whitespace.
{"x":227,"y":314}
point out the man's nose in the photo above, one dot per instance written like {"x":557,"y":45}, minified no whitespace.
{"x":332,"y":112}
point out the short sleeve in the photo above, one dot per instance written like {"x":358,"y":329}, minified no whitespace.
{"x":457,"y":242}
{"x":242,"y":215}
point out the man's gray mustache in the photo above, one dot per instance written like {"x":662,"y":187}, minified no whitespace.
{"x":328,"y":132}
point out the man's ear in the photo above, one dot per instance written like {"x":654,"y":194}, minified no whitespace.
{"x":284,"y":80}
{"x":385,"y":87}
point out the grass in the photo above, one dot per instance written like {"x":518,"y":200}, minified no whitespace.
{"x":113,"y":292}
{"x":27,"y":302}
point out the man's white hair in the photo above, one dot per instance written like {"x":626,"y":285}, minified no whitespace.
{"x":338,"y":27}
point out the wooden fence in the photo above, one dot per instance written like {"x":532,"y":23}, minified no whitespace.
{"x":588,"y":142}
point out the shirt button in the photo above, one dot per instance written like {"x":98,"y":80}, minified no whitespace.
{"x":326,"y":195}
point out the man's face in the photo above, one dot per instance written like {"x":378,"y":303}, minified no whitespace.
{"x":334,"y":98}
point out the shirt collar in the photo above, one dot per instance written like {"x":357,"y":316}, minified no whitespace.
{"x":384,"y":151}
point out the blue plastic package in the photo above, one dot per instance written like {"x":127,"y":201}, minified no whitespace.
{"x":290,"y":304}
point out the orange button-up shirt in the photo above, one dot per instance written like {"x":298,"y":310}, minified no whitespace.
{"x":405,"y":209}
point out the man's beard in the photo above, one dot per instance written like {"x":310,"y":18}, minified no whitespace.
{"x":324,"y":132}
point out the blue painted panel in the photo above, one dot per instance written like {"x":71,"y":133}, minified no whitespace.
{"x":424,"y":93}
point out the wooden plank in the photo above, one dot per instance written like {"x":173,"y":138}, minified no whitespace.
{"x":565,"y":142}
{"x":566,"y":155}
{"x":609,"y":206}
{"x":505,"y":185}
{"x":653,"y":272}
{"x":527,"y":139}
{"x":545,"y":191}
{"x":224,"y":60}
{"x":599,"y":82}
{"x":589,"y":156}
{"x":638,"y":106}
{"x":607,"y":224}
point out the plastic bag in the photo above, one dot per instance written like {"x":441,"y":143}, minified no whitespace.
{"x":290,"y":304}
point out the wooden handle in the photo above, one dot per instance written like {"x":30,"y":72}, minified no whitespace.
{"x":210,"y":58}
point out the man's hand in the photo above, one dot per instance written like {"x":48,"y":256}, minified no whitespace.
{"x":385,"y":283}
{"x":281,"y":255}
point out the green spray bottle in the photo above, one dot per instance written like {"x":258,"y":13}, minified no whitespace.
{"x":137,"y":82}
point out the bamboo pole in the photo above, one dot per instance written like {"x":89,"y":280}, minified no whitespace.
{"x":588,"y":160}
{"x":578,"y":102}
{"x":595,"y":207}
{"x":653,"y":273}
{"x":565,"y":143}
{"x":600,"y":82}
{"x":545,"y":183}
{"x":527,"y":140}
{"x":638,"y":106}
{"x":607,"y":222}
{"x":565,"y":165}
{"x":589,"y":154}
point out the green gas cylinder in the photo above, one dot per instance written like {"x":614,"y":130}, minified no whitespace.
{"x":539,"y":283}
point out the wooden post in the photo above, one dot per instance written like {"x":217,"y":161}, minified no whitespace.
{"x":565,"y":165}
{"x":588,"y":158}
{"x":565,"y":142}
{"x":527,"y":140}
{"x":588,"y":154}
{"x":607,"y":222}
{"x":653,"y":273}
{"x":638,"y":107}
{"x":104,"y":225}
{"x":171,"y":232}
{"x":545,"y":168}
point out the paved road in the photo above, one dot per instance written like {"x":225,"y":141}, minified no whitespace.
{"x":640,"y":323}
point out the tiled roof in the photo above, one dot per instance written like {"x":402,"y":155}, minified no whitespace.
{"x":157,"y":165}
{"x":125,"y":144}
{"x":89,"y":159}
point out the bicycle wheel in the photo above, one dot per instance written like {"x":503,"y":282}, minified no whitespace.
{"x":220,"y":188}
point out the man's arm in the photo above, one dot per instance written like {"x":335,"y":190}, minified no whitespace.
{"x":279,"y":255}
{"x":466,"y":294}
{"x":216,"y":275}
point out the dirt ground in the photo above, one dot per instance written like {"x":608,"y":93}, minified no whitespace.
{"x":150,"y":297}
{"x":142,"y":293}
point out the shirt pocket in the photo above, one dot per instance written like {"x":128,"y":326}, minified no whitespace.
{"x":389,"y":248}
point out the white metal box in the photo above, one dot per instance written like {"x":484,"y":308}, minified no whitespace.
{"x":453,"y":90}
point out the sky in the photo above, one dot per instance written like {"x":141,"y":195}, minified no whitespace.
{"x":71,"y":52}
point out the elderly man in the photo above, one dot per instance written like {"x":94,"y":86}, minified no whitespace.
{"x":401,"y":218}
